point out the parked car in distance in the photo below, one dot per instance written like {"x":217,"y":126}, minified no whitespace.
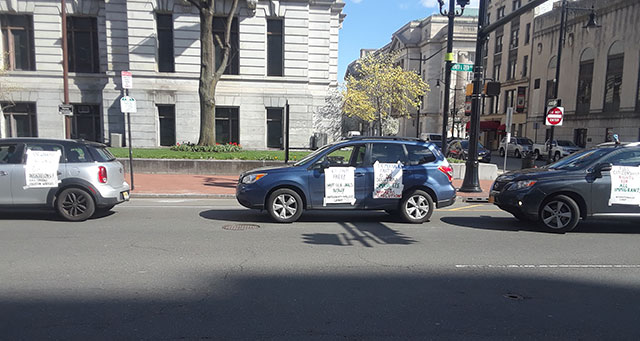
{"x":459,"y":149}
{"x":89,"y":177}
{"x":560,"y":149}
{"x":420,"y":180}
{"x":517,"y":146}
{"x":577,"y":187}
{"x":434,"y":138}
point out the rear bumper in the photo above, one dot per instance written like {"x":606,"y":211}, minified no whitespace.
{"x":109,"y":196}
{"x":445,"y":203}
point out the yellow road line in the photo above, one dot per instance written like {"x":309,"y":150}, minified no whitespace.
{"x":464,"y":207}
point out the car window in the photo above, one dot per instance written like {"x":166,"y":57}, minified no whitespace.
{"x":387,"y":153}
{"x":524,"y":141}
{"x":340,"y":157}
{"x":359,"y":155}
{"x":311,"y":156}
{"x":100,"y":154}
{"x":624,"y":158}
{"x":78,"y":154}
{"x":46,"y":147}
{"x":419,"y":155}
{"x":579,"y":160}
{"x":9,"y":154}
{"x":565,"y":143}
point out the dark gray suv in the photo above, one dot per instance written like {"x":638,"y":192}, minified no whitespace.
{"x":75,"y":177}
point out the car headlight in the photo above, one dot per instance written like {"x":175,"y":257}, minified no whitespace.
{"x":522,"y":184}
{"x":251,"y":178}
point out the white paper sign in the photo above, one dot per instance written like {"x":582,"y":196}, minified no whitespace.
{"x":128,"y":104}
{"x":339,"y":185}
{"x":387,"y":180}
{"x":625,"y":185}
{"x":127,"y":79}
{"x":42,"y":168}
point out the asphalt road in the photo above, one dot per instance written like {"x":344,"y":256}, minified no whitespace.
{"x":167,"y":269}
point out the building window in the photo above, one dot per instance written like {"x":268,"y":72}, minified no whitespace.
{"x":516,"y":4}
{"x":585,"y":81}
{"x":85,"y":123}
{"x":227,"y":130}
{"x":613,"y":81}
{"x":509,"y":99}
{"x":515,"y":34}
{"x":166,"y":59}
{"x":527,"y":34}
{"x":498,"y":47}
{"x":19,"y":119}
{"x":512,"y":65}
{"x":525,"y":66}
{"x":496,"y":71}
{"x":275,"y":47}
{"x":580,"y":137}
{"x":536,"y":83}
{"x":167,"y":122}
{"x":82,"y":44}
{"x":274,"y":127}
{"x":488,"y":19}
{"x":638,"y":94}
{"x":17,"y":42}
{"x":500,"y":13}
{"x":219,"y":28}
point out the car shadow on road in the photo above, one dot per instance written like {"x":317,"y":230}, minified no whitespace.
{"x":484,"y":222}
{"x":334,"y":216}
{"x":42,"y":214}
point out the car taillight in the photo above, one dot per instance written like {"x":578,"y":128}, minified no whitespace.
{"x":102,"y":175}
{"x":448,"y":171}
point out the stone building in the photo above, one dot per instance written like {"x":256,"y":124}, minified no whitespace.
{"x":281,"y":51}
{"x":420,"y":46}
{"x":599,"y":81}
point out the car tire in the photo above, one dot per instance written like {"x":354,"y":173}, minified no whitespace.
{"x":501,"y":152}
{"x":559,"y":214}
{"x":416,"y":207}
{"x":556,"y":157}
{"x":517,"y":154}
{"x":75,"y":204}
{"x":285,"y":205}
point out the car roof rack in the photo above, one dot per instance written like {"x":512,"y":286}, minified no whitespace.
{"x":393,"y":138}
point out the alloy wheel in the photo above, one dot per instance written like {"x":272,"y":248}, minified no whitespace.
{"x":417,"y":207}
{"x":285,"y":206}
{"x":556,"y":214}
{"x":74,"y":204}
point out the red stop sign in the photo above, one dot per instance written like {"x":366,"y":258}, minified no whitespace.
{"x":554,"y":116}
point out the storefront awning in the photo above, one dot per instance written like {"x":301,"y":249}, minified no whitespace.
{"x":488,"y":125}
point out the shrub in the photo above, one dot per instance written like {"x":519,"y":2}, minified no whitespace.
{"x":218,"y":148}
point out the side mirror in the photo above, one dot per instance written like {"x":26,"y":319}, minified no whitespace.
{"x":325,"y":164}
{"x":601,"y":167}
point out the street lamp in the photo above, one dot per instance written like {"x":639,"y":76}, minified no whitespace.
{"x":563,"y":23}
{"x":451,"y":14}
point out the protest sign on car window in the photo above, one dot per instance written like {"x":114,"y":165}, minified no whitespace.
{"x":625,"y":185}
{"x":387,"y":178}
{"x":339,"y":187}
{"x":41,"y":169}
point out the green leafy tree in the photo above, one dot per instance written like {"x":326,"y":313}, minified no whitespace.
{"x":380,"y":91}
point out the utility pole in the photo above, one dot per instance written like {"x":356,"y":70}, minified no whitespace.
{"x":65,"y":68}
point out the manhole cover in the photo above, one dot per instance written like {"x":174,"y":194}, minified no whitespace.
{"x":240,"y":227}
{"x":513,"y":297}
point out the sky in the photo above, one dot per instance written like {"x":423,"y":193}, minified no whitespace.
{"x":370,"y":23}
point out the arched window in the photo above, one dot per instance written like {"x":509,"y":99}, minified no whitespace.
{"x":613,"y":79}
{"x":585,"y":80}
{"x":551,"y":80}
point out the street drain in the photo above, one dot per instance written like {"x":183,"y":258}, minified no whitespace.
{"x":515,"y":297}
{"x":240,"y":227}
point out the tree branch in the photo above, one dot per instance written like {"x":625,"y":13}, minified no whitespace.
{"x":196,"y":4}
{"x":227,"y":37}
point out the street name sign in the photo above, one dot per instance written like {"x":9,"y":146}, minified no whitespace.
{"x":65,"y":109}
{"x":462,"y":67}
{"x":554,"y":116}
{"x":128,"y":105}
{"x":127,"y":79}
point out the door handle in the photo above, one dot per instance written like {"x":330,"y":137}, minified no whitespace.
{"x":3,"y":173}
{"x":359,"y":174}
{"x":59,"y":173}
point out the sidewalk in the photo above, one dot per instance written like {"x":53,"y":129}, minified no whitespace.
{"x":224,"y":186}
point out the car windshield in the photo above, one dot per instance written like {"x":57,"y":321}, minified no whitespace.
{"x":579,"y":160}
{"x":525,"y":141}
{"x":435,"y":137}
{"x":566,"y":143}
{"x":313,"y":155}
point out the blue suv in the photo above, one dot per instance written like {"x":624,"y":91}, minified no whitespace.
{"x":398,"y":175}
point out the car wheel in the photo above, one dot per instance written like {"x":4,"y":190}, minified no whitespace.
{"x":559,"y":214}
{"x":536,"y":154}
{"x":285,"y":205}
{"x":556,"y":157}
{"x":416,"y":207}
{"x":501,"y":152}
{"x":517,"y":154}
{"x":75,"y":204}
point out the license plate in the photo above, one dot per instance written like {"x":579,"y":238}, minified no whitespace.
{"x":125,"y":196}
{"x":491,"y":199}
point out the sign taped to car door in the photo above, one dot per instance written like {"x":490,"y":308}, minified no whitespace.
{"x":387,"y":180}
{"x":625,"y":185}
{"x":41,"y":169}
{"x":339,"y":185}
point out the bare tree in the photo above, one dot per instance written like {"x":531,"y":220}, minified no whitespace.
{"x":209,"y":74}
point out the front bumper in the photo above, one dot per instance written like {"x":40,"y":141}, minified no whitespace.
{"x":250,"y":195}
{"x":522,"y":202}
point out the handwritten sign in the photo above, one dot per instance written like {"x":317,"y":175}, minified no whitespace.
{"x":387,"y":180}
{"x":625,"y":185}
{"x":339,"y":187}
{"x":42,"y":168}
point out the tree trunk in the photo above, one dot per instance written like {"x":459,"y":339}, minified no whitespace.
{"x":207,"y":85}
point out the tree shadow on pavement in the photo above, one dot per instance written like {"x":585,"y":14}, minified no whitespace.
{"x":364,"y":234}
{"x":219,"y":182}
{"x":484,"y":222}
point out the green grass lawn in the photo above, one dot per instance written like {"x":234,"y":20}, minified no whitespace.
{"x":166,"y":153}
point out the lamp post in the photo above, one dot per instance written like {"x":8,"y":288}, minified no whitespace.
{"x":451,"y":14}
{"x":563,"y":23}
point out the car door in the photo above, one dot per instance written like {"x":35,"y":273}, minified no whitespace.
{"x":601,"y":186}
{"x":10,"y":156}
{"x":23,"y":195}
{"x":384,"y":152}
{"x":346,"y":156}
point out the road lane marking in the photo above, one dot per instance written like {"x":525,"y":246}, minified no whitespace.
{"x":464,"y":207}
{"x":549,"y":266}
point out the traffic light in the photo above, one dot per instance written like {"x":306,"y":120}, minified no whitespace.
{"x":492,"y":88}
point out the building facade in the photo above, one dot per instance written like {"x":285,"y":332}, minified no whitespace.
{"x":599,"y":82}
{"x":507,"y":59}
{"x":281,"y":51}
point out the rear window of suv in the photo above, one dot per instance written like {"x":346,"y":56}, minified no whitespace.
{"x":100,"y":154}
